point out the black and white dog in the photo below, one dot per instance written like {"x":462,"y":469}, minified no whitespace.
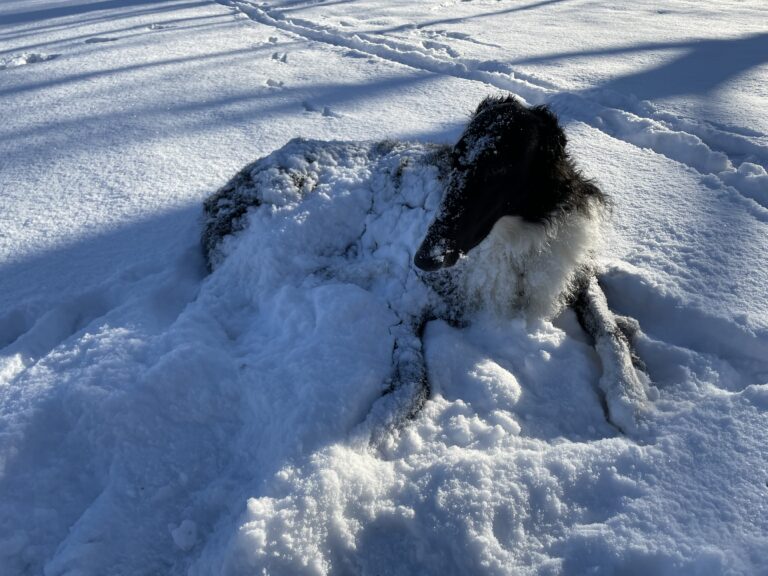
{"x":516,"y":206}
{"x":509,"y":162}
{"x":514,"y":231}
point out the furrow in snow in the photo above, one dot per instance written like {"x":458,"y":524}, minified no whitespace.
{"x":706,"y":149}
{"x":29,"y":333}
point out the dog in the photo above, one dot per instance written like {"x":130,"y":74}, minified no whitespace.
{"x":521,"y":219}
{"x":510,"y":162}
{"x":513,"y":232}
{"x":514,"y":189}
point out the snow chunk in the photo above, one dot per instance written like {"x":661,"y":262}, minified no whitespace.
{"x":758,"y":395}
{"x":185,"y":535}
{"x":751,"y":180}
{"x":26,"y":58}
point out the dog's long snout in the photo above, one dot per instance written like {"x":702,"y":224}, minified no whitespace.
{"x":438,"y":250}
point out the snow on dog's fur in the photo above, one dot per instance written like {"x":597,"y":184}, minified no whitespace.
{"x":513,"y":224}
{"x":516,"y":200}
{"x":517,"y":224}
{"x":522,"y":267}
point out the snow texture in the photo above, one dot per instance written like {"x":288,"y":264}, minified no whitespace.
{"x":158,"y":419}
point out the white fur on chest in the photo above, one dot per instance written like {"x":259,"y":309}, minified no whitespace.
{"x":526,"y":267}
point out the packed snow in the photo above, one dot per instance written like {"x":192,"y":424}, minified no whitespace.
{"x":158,"y":418}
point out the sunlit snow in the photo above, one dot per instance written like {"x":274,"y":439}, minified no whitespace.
{"x":156,"y":418}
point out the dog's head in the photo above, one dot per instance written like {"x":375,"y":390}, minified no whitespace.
{"x":510,"y":161}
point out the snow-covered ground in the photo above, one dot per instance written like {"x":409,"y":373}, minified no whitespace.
{"x":156,"y":419}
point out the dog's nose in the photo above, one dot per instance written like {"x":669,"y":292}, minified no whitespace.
{"x":426,"y":263}
{"x":433,"y":256}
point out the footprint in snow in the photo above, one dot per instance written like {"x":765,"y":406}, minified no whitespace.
{"x":160,"y":26}
{"x":30,"y":332}
{"x":280,"y":57}
{"x":274,"y":83}
{"x":100,"y":40}
{"x":448,"y":35}
{"x":273,"y":39}
{"x":439,"y":47}
{"x":326,"y":111}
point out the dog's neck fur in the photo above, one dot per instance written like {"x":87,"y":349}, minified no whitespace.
{"x":527,"y":268}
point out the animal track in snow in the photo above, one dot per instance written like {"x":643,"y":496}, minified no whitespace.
{"x":439,"y":47}
{"x":462,"y":36}
{"x":280,"y":57}
{"x":160,"y":26}
{"x":326,"y":111}
{"x":100,"y":40}
{"x":714,"y":153}
{"x":274,"y":83}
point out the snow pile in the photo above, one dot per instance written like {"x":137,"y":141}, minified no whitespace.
{"x":510,"y":467}
{"x":155,"y":419}
{"x":283,"y":358}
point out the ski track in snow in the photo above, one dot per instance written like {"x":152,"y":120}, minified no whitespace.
{"x":713,"y":151}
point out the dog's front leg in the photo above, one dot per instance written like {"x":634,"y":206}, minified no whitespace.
{"x":408,"y":388}
{"x":622,"y":386}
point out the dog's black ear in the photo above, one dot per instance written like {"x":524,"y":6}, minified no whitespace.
{"x":553,"y":140}
{"x":491,"y":101}
{"x":485,"y":104}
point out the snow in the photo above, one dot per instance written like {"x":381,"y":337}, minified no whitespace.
{"x":184,"y":535}
{"x":155,"y":418}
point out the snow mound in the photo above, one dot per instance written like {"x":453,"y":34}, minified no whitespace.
{"x":338,"y":223}
{"x":278,"y":421}
{"x":510,"y":466}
